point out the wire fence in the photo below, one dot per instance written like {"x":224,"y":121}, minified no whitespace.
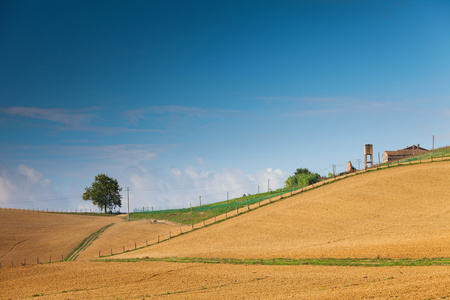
{"x":53,"y":210}
{"x":36,"y":261}
{"x":234,"y":209}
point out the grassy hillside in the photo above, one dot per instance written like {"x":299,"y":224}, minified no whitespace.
{"x":200,"y":213}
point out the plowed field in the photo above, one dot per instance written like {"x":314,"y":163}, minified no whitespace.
{"x":401,"y":212}
{"x":26,"y":236}
{"x":160,"y":280}
{"x":394,"y":213}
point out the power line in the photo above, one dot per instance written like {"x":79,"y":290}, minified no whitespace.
{"x":43,"y":199}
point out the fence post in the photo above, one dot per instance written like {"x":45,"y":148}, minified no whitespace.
{"x":192,"y":226}
{"x":170,"y":234}
{"x":134,"y":246}
{"x":37,"y":260}
{"x":111,"y":251}
{"x":123,"y":248}
{"x":99,"y":253}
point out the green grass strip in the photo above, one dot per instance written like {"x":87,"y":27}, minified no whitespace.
{"x":345,"y":262}
{"x":86,"y":243}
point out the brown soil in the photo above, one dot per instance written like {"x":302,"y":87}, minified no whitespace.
{"x":26,"y":236}
{"x":395,"y":213}
{"x":159,"y":280}
{"x":399,"y":212}
{"x":128,"y":235}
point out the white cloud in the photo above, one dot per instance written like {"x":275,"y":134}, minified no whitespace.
{"x":134,"y":116}
{"x":200,"y":161}
{"x":323,"y":100}
{"x":24,"y":187}
{"x":180,"y":188}
{"x":123,"y":154}
{"x":69,"y":119}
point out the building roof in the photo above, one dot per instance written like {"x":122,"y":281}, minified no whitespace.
{"x":415,"y":149}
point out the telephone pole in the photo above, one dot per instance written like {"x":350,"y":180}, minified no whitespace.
{"x":128,"y":201}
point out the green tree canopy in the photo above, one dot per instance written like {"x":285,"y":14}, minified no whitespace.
{"x":302,"y":178}
{"x":104,"y":192}
{"x":302,"y":171}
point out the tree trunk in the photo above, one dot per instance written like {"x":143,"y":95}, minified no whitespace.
{"x":105,"y":208}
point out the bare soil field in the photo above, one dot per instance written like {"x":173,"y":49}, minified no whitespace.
{"x":401,"y":212}
{"x":27,"y":235}
{"x":126,"y":236}
{"x":161,"y":280}
{"x":398,"y":213}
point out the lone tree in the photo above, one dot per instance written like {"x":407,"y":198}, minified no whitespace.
{"x":104,"y":192}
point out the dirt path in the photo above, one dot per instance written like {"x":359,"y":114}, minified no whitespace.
{"x":400,"y":212}
{"x":26,"y":236}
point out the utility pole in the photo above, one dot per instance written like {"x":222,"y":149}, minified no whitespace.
{"x":433,"y":145}
{"x":128,"y":201}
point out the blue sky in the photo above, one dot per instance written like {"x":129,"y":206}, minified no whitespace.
{"x":181,"y":99}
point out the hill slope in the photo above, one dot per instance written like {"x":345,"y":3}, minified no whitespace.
{"x":28,"y":235}
{"x":397,"y":212}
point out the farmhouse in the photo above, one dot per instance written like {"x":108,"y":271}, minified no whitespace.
{"x":389,"y":156}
